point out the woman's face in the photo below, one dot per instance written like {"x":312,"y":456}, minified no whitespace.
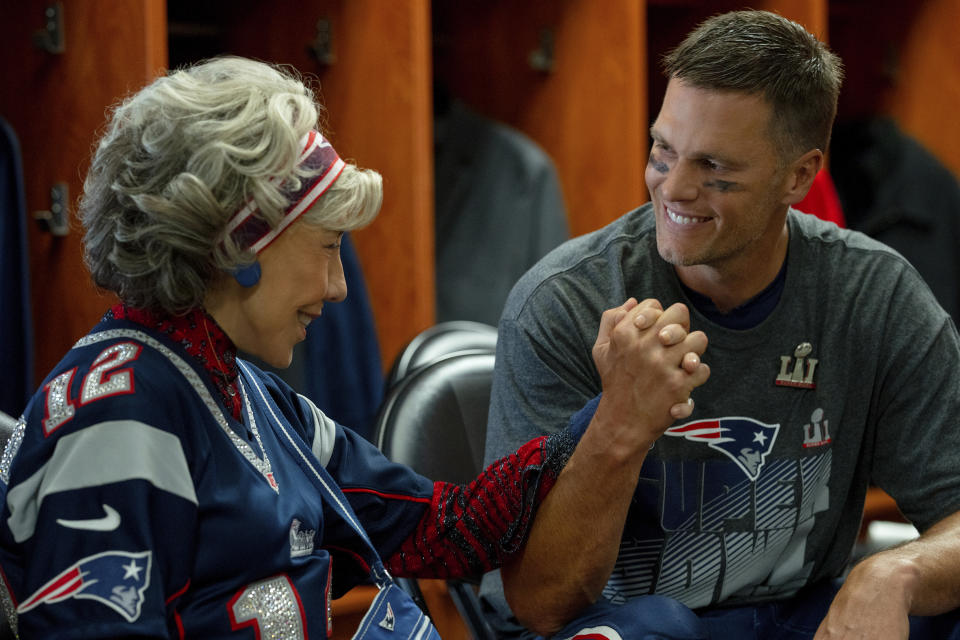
{"x":300,"y":271}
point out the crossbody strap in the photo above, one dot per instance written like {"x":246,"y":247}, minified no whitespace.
{"x":322,"y":479}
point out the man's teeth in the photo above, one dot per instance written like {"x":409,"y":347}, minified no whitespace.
{"x":681,"y":219}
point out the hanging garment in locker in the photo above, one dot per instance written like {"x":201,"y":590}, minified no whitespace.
{"x":16,"y":325}
{"x":499,"y":209}
{"x":896,"y":191}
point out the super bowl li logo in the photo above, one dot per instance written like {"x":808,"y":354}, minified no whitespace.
{"x":800,"y":374}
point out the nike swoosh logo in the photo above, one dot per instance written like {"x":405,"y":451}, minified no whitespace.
{"x":108,"y":522}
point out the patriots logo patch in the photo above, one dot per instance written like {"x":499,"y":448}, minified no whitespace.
{"x":744,"y":440}
{"x":117,"y":579}
{"x":389,"y":620}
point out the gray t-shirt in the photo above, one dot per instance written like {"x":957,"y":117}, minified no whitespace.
{"x":850,"y":380}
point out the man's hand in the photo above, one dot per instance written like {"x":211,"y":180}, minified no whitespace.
{"x":873,"y":603}
{"x":649,"y":363}
{"x":918,"y":578}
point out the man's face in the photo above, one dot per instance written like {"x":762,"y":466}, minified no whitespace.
{"x":714,"y":179}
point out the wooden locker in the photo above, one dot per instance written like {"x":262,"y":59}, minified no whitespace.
{"x":56,"y":102}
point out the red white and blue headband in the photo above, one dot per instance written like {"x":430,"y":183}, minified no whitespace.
{"x":250,"y":231}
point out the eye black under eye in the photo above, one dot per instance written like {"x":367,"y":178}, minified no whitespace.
{"x":658,"y":164}
{"x":721,"y":185}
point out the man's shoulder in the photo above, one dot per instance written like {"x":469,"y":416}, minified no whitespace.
{"x":629,"y":230}
{"x":846,"y":250}
{"x":588,"y":267}
{"x":849,"y":262}
{"x":813,"y":230}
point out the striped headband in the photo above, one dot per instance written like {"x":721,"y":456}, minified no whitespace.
{"x":251,"y":231}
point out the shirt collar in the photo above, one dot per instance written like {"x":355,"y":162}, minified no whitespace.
{"x":200,"y":335}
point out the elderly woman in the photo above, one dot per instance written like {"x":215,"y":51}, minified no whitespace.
{"x":158,"y":486}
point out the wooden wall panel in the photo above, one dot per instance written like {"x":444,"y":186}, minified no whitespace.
{"x":588,"y":113}
{"x":378,"y":93}
{"x":926,"y":100}
{"x":56,"y":103}
{"x":600,"y":78}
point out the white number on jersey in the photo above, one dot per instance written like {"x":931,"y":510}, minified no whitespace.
{"x":273,"y":605}
{"x":100,"y":382}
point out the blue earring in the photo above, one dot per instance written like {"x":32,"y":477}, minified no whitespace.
{"x":248,"y":275}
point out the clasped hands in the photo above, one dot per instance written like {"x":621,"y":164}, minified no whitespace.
{"x":649,"y":363}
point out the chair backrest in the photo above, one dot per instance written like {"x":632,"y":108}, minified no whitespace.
{"x":440,"y":340}
{"x":435,"y":419}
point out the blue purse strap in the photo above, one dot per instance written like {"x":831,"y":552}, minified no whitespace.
{"x":392,"y":615}
{"x":322,"y":479}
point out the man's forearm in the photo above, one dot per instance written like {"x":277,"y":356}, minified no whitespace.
{"x":648,"y":364}
{"x":575,"y":538}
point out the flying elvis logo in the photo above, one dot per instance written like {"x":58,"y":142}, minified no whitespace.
{"x":744,"y":440}
{"x":117,"y":579}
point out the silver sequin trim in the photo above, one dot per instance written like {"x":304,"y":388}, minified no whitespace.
{"x":9,"y":451}
{"x":262,"y":466}
{"x":256,"y":434}
{"x":9,"y":611}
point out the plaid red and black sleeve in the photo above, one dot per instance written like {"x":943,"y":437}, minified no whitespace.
{"x":470,"y":529}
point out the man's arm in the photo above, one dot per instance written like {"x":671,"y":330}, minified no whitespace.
{"x":920,"y":577}
{"x":648,"y":364}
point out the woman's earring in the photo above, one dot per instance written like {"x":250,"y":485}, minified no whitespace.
{"x":248,"y":275}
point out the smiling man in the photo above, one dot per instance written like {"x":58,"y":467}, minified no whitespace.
{"x":739,"y":520}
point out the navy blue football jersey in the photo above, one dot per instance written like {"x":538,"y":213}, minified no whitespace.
{"x":135,"y":505}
